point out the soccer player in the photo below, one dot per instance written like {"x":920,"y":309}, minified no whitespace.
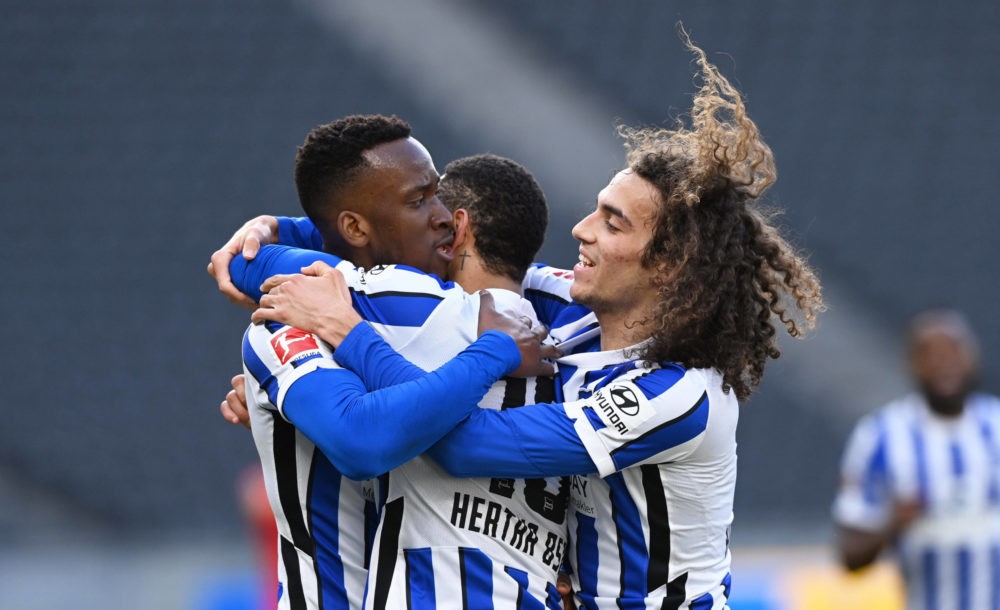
{"x":921,"y":475}
{"x":370,"y":189}
{"x":686,"y":277}
{"x":431,"y":547}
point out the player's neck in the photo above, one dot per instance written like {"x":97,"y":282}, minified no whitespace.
{"x":621,"y":329}
{"x":469,"y":272}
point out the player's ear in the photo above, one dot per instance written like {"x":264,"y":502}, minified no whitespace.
{"x":463,"y":231}
{"x":354,"y":228}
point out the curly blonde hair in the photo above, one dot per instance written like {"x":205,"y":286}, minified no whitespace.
{"x":722,"y":270}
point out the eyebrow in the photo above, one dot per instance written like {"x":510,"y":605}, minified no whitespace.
{"x":422,"y":187}
{"x":615,"y":211}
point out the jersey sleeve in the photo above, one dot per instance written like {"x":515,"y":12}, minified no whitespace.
{"x":364,"y":433}
{"x":521,"y":443}
{"x":864,"y":500}
{"x":272,"y":260}
{"x":655,"y":417}
{"x":299,"y":232}
{"x":372,"y":359}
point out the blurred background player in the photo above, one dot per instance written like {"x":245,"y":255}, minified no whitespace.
{"x":922,"y":476}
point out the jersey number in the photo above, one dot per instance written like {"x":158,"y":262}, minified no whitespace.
{"x":552,"y":506}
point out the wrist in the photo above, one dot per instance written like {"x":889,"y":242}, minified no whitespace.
{"x":335,"y":330}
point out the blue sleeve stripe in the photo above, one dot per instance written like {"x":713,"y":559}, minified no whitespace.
{"x":396,"y":308}
{"x":668,"y":434}
{"x":259,"y":370}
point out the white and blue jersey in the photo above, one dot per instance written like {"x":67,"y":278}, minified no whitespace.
{"x":653,"y":448}
{"x":950,"y":555}
{"x":441,"y":541}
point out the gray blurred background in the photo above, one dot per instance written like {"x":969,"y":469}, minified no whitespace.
{"x":137,"y":136}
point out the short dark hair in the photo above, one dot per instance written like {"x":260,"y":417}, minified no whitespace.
{"x":508,"y":210}
{"x":332,"y":155}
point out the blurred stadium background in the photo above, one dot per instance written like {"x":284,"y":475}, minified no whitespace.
{"x":138,"y":135}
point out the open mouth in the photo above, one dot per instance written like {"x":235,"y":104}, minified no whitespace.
{"x":584,"y":261}
{"x":446,"y":247}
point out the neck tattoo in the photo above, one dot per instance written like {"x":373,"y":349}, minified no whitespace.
{"x":464,"y":256}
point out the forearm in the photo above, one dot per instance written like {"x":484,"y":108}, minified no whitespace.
{"x":365,"y":434}
{"x":272,"y":260}
{"x":368,"y":355}
{"x":526,"y":442}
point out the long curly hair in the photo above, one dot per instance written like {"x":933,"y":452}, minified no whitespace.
{"x":723,"y":272}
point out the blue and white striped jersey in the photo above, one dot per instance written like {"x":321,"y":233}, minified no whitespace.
{"x":950,"y":555}
{"x":441,"y":541}
{"x":655,"y":524}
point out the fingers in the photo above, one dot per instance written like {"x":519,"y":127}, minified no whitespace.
{"x":549,"y":352}
{"x":276,"y":280}
{"x":218,"y":268}
{"x":265,"y":314}
{"x":486,"y":301}
{"x":234,"y":407}
{"x":251,"y":247}
{"x":318,"y":268}
{"x":234,"y":411}
{"x":239,"y":383}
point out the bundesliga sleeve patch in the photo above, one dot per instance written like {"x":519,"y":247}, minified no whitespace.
{"x":292,"y":343}
{"x":621,"y":406}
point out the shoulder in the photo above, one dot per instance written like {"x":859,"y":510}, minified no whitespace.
{"x":401,"y":279}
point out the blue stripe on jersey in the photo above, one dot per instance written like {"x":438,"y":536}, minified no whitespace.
{"x":323,"y":506}
{"x":929,"y":577}
{"x":727,"y":584}
{"x":420,"y":594}
{"x":964,"y":579}
{"x":703,"y":602}
{"x":395,"y":308}
{"x":300,"y":361}
{"x":260,"y":372}
{"x":554,"y":601}
{"x":632,"y":552}
{"x":585,"y":562}
{"x":477,"y":579}
{"x":668,"y":434}
{"x":986,"y":429}
{"x":994,"y":577}
{"x":920,"y":453}
{"x":957,"y":460}
{"x":563,"y":375}
{"x":874,"y":478}
{"x":521,"y":578}
{"x":445,"y":285}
